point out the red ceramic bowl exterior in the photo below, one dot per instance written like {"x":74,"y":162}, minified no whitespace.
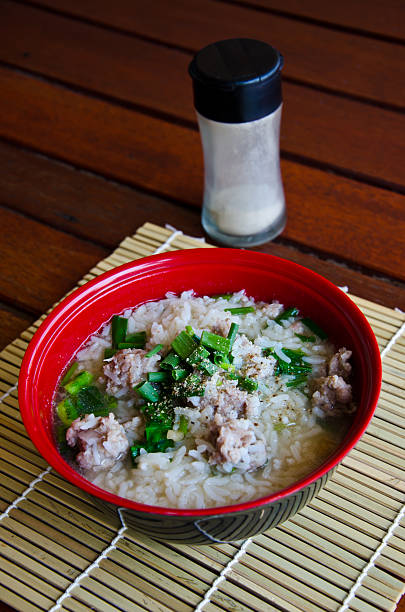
{"x":208,"y":272}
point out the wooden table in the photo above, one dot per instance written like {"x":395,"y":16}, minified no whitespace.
{"x":98,"y":135}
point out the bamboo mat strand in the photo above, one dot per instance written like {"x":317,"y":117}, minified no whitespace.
{"x":345,"y":551}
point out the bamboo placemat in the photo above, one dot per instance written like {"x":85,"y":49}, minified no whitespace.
{"x":345,"y":551}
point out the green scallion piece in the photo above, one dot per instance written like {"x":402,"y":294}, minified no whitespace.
{"x":233,"y":330}
{"x":306,"y":338}
{"x":200,"y":359}
{"x":110,"y":352}
{"x":155,"y":350}
{"x":220,"y":358}
{"x":90,"y":400}
{"x":224,"y":296}
{"x":67,"y":412}
{"x":82,"y":380}
{"x":138,"y":339}
{"x":147,"y":391}
{"x":297,"y":381}
{"x":158,"y":376}
{"x":69,"y":373}
{"x":197,"y":356}
{"x":112,"y":403}
{"x":180,"y":374}
{"x":314,"y":327}
{"x":247,"y":384}
{"x":170,"y":362}
{"x":215,"y":342}
{"x":189,"y":330}
{"x":288,"y":312}
{"x":183,"y":345}
{"x":129,"y":345}
{"x":118,"y":330}
{"x":241,"y":310}
{"x":183,"y":424}
{"x":279,"y":426}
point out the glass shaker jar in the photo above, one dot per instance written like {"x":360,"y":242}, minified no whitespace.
{"x":237,"y":96}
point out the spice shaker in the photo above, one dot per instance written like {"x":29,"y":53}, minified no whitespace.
{"x":238,"y":100}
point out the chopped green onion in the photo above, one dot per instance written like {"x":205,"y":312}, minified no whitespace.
{"x":112,"y":403}
{"x":67,"y":412}
{"x":289,"y":312}
{"x":183,"y":424}
{"x":279,"y":426}
{"x":248,"y":384}
{"x":110,"y":352}
{"x":154,"y":432}
{"x":306,"y":338}
{"x":215,"y":342}
{"x":155,"y":350}
{"x":224,"y":296}
{"x":220,"y":358}
{"x":129,"y":345}
{"x":189,"y":330}
{"x":183,"y":345}
{"x":297,"y":381}
{"x":82,"y":380}
{"x":241,"y":310}
{"x":69,"y":373}
{"x":199,"y":358}
{"x":179,"y":374}
{"x":232,"y":376}
{"x":147,"y":391}
{"x":90,"y":400}
{"x":138,"y":339}
{"x":189,"y":387}
{"x":161,"y":411}
{"x":314,"y":327}
{"x":158,"y":376}
{"x":170,"y":362}
{"x":233,"y":330}
{"x":118,"y":330}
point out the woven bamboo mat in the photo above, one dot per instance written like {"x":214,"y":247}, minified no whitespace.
{"x":345,"y":551}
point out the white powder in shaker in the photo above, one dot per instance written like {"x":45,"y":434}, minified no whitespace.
{"x":244,"y":210}
{"x":243,"y":192}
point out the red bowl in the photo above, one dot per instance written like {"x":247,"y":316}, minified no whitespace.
{"x":207,"y":271}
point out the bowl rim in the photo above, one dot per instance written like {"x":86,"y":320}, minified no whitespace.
{"x":50,"y":453}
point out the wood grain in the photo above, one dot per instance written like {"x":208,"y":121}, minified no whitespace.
{"x":39,"y":264}
{"x":12,"y":323}
{"x":107,"y":212}
{"x":319,"y":127}
{"x":312,"y":54}
{"x":370,"y":16}
{"x":166,"y":159}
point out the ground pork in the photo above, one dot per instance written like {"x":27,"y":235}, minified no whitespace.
{"x":332,"y":395}
{"x":253,"y":363}
{"x":227,"y":401}
{"x":236,"y":443}
{"x":101,"y":441}
{"x":126,"y":369}
{"x":339,"y":364}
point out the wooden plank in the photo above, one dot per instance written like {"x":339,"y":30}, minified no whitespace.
{"x":170,"y":91}
{"x":368,"y":16}
{"x":39,"y":264}
{"x":340,"y":205}
{"x":327,"y":60}
{"x":61,"y":189}
{"x":12,"y":323}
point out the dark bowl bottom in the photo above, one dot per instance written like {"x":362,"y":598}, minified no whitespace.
{"x":224,"y":528}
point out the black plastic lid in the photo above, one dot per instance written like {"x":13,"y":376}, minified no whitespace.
{"x":237,"y":80}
